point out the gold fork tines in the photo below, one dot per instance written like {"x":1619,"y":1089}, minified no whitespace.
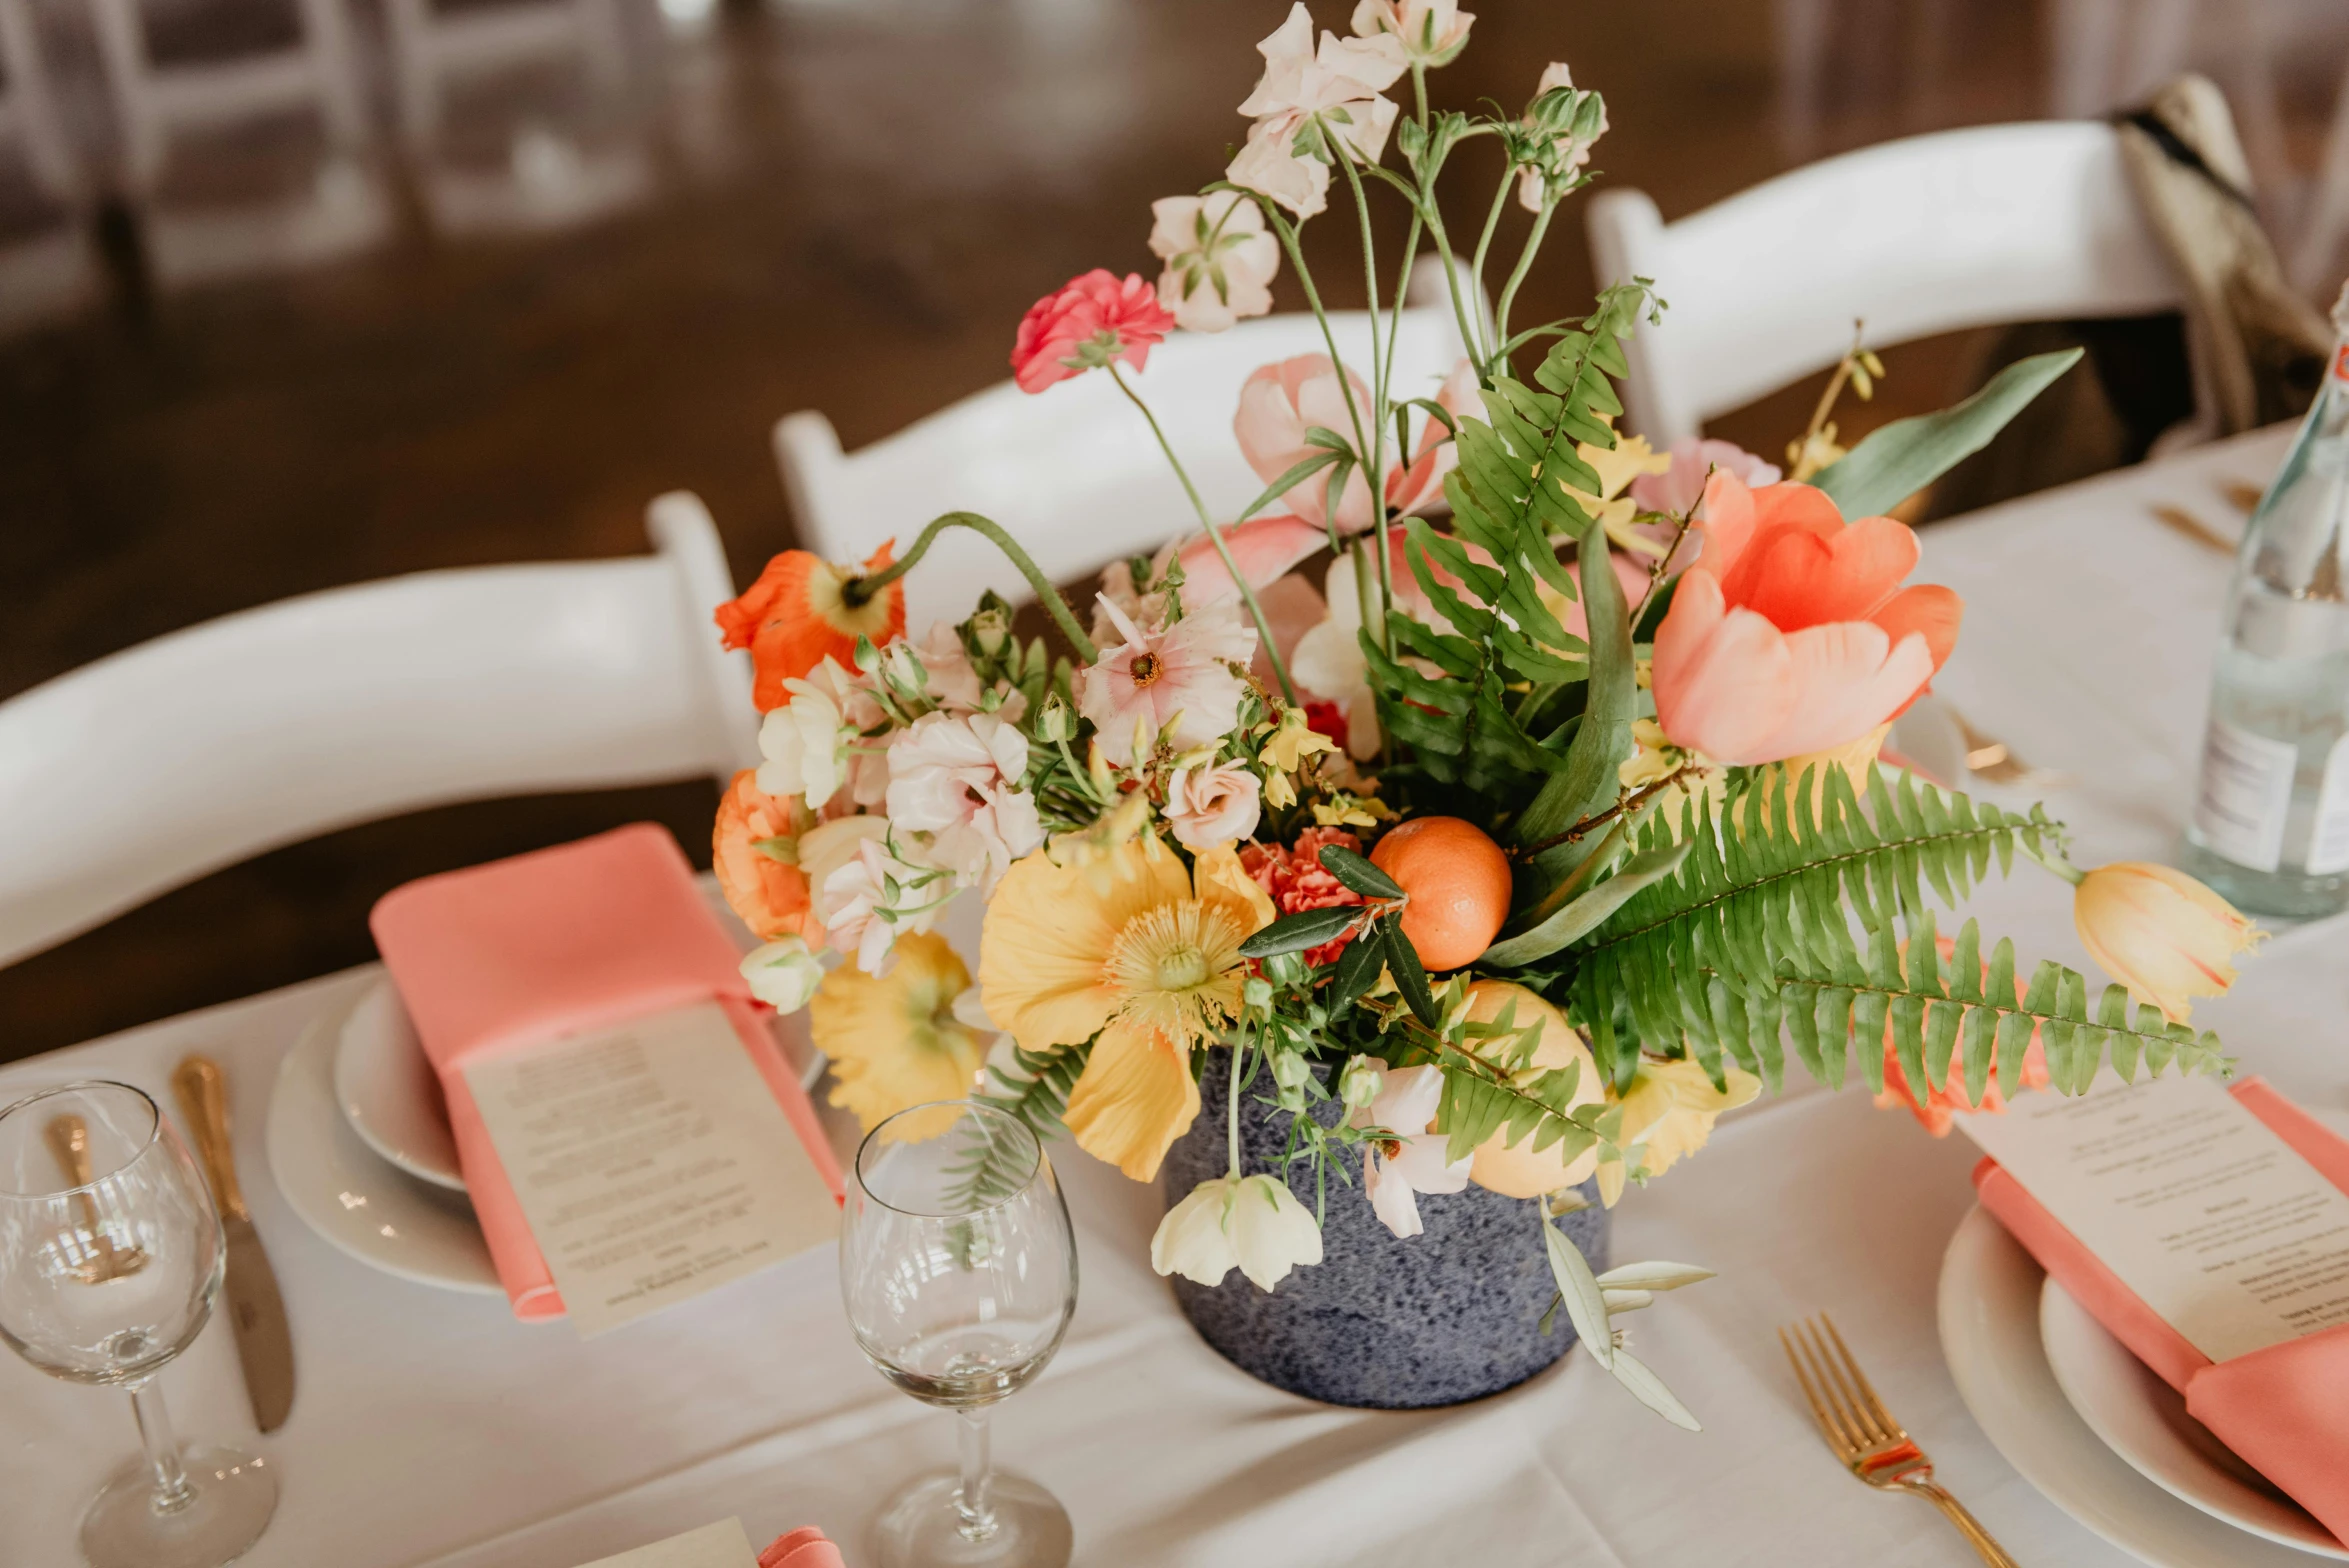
{"x":1862,"y":1433}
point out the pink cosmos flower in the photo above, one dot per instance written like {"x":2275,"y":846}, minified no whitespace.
{"x":957,"y":778}
{"x":1793,"y":634}
{"x":1395,"y":1173}
{"x":1207,"y":806}
{"x":1158,"y":676}
{"x":1095,"y":319}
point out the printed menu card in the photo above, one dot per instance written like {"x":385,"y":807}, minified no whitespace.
{"x":2217,"y":1224}
{"x":651,"y":1161}
{"x":712,"y":1546}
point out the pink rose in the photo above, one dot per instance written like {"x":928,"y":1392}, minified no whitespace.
{"x":1092,"y":321}
{"x":1211,"y":805}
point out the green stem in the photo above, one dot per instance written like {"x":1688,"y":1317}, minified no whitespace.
{"x":1533,"y":243}
{"x":1215,"y":535}
{"x":1374,"y":473}
{"x":1484,"y":243}
{"x":2056,"y":863}
{"x":1232,"y":1105}
{"x":857,"y":590}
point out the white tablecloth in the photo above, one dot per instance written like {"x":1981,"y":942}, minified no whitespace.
{"x":433,"y":1428}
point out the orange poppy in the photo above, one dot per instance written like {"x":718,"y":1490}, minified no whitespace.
{"x":795,"y":616}
{"x":769,"y":894}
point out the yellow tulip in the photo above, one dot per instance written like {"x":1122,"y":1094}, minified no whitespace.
{"x":2162,"y":934}
{"x":1669,"y":1112}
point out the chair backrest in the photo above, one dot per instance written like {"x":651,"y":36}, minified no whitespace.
{"x":194,"y":751}
{"x":1073,"y":472}
{"x":2000,"y":223}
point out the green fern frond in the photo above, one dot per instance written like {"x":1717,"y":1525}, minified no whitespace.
{"x":1034,"y":1086}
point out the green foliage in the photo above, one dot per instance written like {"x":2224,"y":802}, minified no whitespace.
{"x":1753,"y":936}
{"x":1511,"y":498}
{"x":1905,"y":456}
{"x":1580,"y":916}
{"x":1358,"y":873}
{"x":1035,"y":1086}
{"x":1297,"y":932}
{"x":1403,"y":963}
{"x":1482,"y":1097}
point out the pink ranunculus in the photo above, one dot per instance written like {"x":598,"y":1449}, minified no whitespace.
{"x":1160,"y":673}
{"x":1095,"y":319}
{"x":1793,"y":634}
{"x":1208,"y":806}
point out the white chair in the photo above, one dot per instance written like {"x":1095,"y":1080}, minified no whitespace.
{"x":2001,"y":223}
{"x":431,"y":49}
{"x":53,"y":271}
{"x":194,"y":751}
{"x":1073,"y":473}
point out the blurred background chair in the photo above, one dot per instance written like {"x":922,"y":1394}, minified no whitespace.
{"x":1966,"y":228}
{"x":52,"y":271}
{"x":1074,"y":472}
{"x":194,"y":751}
{"x":340,"y":209}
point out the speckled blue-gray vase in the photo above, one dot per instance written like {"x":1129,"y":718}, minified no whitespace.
{"x":1450,"y":1315}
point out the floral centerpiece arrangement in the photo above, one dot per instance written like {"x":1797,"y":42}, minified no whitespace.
{"x":1552,"y":837}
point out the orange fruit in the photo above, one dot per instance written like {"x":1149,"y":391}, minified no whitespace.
{"x":1458,"y":880}
{"x":1520,"y":1170}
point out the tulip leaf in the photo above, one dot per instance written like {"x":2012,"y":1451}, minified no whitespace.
{"x":1905,"y":456}
{"x":1297,"y":932}
{"x":1358,"y":873}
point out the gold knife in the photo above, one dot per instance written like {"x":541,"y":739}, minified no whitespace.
{"x":256,"y":1310}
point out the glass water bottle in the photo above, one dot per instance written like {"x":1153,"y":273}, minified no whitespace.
{"x":2270,"y":827}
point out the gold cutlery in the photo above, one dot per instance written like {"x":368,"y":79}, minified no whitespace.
{"x":1864,"y":1436}
{"x":69,"y":1141}
{"x":1990,"y":759}
{"x":2246,"y":497}
{"x":265,"y":1345}
{"x":2194,"y":528}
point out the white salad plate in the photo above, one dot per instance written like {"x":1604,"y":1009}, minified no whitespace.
{"x":2144,"y":1420}
{"x":389,"y":1093}
{"x":348,"y":1194}
{"x":1989,"y":1318}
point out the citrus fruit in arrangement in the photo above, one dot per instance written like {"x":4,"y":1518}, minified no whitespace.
{"x":1520,"y":1170}
{"x":1458,"y":880}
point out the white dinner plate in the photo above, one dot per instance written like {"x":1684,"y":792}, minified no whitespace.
{"x":2144,"y":1420}
{"x":343,"y":1191}
{"x":389,"y":1093}
{"x":391,"y":1097}
{"x":1989,"y":1316}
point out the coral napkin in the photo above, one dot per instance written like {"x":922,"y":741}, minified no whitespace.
{"x":578,"y":937}
{"x":2285,"y":1409}
{"x":806,"y":1548}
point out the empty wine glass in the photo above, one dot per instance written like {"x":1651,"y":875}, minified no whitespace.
{"x":959,"y":1271}
{"x":110,"y":1258}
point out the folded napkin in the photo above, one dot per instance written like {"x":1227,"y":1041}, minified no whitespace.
{"x":807,"y":1548}
{"x":579,"y":937}
{"x":2284,"y":1409}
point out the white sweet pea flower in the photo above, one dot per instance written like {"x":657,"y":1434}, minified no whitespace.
{"x":1570,"y":142}
{"x":783,"y":974}
{"x":809,"y":742}
{"x":871,"y":896}
{"x":1394,"y":1174}
{"x":1309,"y":100}
{"x":1220,"y":259}
{"x":1433,"y":32}
{"x":1251,"y":1223}
{"x":957,"y":778}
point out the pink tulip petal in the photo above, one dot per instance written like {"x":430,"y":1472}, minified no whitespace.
{"x":1798,"y":577}
{"x":1264,"y":548}
{"x":1845,"y":679}
{"x":1723,"y":678}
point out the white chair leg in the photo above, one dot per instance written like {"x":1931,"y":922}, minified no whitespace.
{"x":27,"y":102}
{"x":122,"y":44}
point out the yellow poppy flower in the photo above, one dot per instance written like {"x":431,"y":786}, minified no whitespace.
{"x":1128,"y":949}
{"x":893,"y":1039}
{"x":1668,"y":1112}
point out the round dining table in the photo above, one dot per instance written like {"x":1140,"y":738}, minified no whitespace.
{"x":432,"y":1428}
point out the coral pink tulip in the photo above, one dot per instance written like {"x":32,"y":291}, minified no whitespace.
{"x":1793,"y":634}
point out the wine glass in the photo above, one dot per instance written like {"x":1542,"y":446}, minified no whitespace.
{"x":959,"y":1271}
{"x":110,"y":1257}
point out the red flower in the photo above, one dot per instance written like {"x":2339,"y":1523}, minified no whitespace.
{"x":796,"y":616}
{"x":1090,"y":322}
{"x":1326,"y":718}
{"x":1295,"y":881}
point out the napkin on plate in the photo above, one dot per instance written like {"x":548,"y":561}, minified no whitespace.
{"x":2284,"y":1409}
{"x":804,"y":1548}
{"x":578,"y":937}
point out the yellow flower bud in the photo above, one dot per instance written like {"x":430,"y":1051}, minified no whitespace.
{"x":2162,"y":934}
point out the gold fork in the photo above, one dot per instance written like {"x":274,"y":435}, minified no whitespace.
{"x":1863,"y":1434}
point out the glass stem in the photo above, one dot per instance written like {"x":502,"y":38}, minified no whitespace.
{"x":172,"y":1489}
{"x":971,"y":1499}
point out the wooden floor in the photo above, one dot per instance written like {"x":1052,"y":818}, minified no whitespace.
{"x":855,"y":201}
